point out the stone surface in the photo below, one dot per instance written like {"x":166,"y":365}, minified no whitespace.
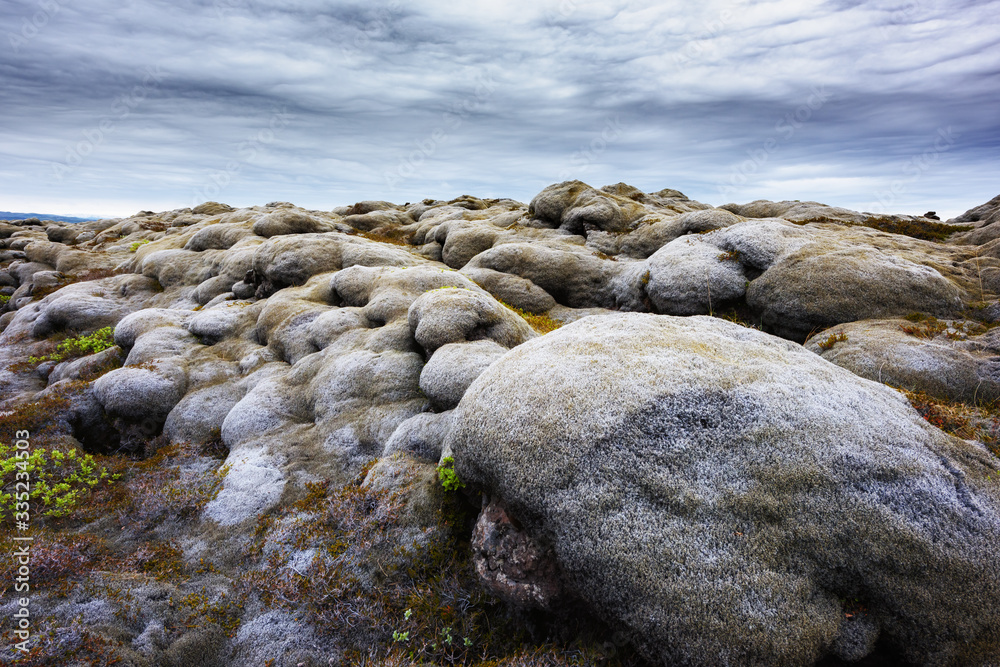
{"x":721,"y":490}
{"x":934,"y":357}
{"x":453,"y":367}
{"x":714,"y":494}
{"x":512,"y":565}
{"x":691,"y":277}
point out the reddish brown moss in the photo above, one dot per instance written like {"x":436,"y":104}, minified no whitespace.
{"x":965,"y":421}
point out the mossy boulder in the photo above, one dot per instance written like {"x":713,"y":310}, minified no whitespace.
{"x":724,"y":496}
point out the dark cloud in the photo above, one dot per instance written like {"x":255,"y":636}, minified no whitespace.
{"x":112,"y":107}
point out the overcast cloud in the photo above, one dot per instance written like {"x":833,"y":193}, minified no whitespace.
{"x":113,"y":107}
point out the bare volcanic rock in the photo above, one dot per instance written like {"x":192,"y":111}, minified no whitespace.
{"x":719,"y":493}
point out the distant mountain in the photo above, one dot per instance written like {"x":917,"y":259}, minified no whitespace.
{"x":8,"y":215}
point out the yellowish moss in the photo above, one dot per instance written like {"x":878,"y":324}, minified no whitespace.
{"x":542,"y":323}
{"x":832,"y":340}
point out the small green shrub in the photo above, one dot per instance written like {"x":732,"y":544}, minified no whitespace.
{"x":80,"y":346}
{"x":56,"y":481}
{"x":138,"y":244}
{"x":448,"y":476}
{"x":4,"y":298}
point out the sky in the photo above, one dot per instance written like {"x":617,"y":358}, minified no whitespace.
{"x":112,"y":107}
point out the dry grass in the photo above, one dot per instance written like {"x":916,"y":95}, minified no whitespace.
{"x":924,"y":229}
{"x":965,"y":421}
{"x":112,"y":543}
{"x":928,"y":326}
{"x":41,"y":418}
{"x":740,"y":315}
{"x":70,"y":279}
{"x":394,"y":236}
{"x":928,"y":230}
{"x":387,"y":603}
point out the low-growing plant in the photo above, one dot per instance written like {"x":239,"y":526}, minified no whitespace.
{"x":969,"y":422}
{"x":730,"y":256}
{"x":79,"y":346}
{"x":832,"y":340}
{"x":4,"y":298}
{"x":925,"y":229}
{"x":447,"y":475}
{"x":41,"y":417}
{"x":928,"y":230}
{"x":543,"y":324}
{"x":925,"y":326}
{"x":739,"y":314}
{"x":928,"y":326}
{"x":394,"y":236}
{"x":138,"y":244}
{"x":51,"y":482}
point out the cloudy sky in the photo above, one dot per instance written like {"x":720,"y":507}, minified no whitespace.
{"x":111,"y":107}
